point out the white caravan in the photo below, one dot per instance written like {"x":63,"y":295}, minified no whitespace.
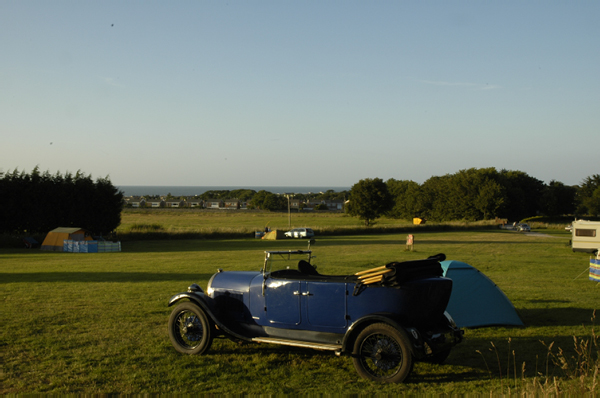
{"x":585,"y":236}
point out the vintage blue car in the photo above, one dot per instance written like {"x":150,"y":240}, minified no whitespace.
{"x":383,"y":318}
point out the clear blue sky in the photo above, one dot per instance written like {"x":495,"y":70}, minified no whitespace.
{"x":319,"y":93}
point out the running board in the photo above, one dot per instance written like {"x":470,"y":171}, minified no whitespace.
{"x":297,"y":343}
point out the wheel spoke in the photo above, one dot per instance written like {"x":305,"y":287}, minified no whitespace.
{"x":381,"y":356}
{"x":188,"y":329}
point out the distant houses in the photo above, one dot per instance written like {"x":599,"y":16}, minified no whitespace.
{"x":311,"y":205}
{"x":223,"y":204}
{"x":213,"y":204}
{"x":193,"y":201}
{"x":155,"y":203}
{"x":184,"y":201}
{"x":135,"y":201}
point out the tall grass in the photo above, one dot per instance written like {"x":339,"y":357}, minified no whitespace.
{"x":578,"y":368}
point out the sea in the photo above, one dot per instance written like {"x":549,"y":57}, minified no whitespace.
{"x":177,"y":190}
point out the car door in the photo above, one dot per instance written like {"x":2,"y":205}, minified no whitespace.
{"x":325,"y":304}
{"x":282,"y":302}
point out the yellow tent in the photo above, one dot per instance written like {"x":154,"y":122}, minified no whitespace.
{"x":55,"y":238}
{"x":273,"y":235}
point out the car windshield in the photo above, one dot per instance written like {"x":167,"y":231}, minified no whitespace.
{"x":280,"y":260}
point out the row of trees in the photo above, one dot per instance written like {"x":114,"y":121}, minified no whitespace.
{"x":473,"y":194}
{"x":39,"y":202}
{"x":268,"y":201}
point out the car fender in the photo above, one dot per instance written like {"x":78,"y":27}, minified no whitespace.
{"x":198,"y":298}
{"x":388,"y":318}
{"x":204,"y":302}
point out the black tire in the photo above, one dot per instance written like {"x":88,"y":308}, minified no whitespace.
{"x":382,"y":353}
{"x":190,"y":330}
{"x":440,"y":356}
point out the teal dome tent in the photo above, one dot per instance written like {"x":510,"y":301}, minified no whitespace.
{"x":476,"y":300}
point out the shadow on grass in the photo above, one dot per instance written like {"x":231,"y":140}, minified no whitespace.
{"x":496,"y":356}
{"x":99,"y":277}
{"x":418,"y":242}
{"x":260,"y":246}
{"x":213,"y":245}
{"x":191,"y":245}
{"x":473,"y":359}
{"x":556,"y":316}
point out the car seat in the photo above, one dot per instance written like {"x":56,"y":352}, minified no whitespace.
{"x":306,"y":268}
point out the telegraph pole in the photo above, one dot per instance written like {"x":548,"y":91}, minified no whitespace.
{"x":287,"y":195}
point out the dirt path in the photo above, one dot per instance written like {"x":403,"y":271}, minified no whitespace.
{"x":539,"y":234}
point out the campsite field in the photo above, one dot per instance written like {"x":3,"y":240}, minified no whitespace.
{"x":248,"y":221}
{"x":144,"y":224}
{"x":96,"y":323}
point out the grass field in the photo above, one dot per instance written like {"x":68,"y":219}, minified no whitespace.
{"x":185,"y":220}
{"x":219,"y":223}
{"x":96,"y":323}
{"x":227,"y":224}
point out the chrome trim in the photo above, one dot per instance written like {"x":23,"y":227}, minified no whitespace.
{"x":297,"y":343}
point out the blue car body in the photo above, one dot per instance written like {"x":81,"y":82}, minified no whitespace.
{"x":297,"y":306}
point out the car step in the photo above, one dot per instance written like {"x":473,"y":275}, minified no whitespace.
{"x":298,"y":343}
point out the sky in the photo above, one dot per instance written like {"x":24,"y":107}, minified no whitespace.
{"x":299,"y":93}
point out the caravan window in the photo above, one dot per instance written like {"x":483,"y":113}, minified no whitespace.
{"x":585,"y":232}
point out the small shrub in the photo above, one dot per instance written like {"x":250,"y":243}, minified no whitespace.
{"x":141,"y":227}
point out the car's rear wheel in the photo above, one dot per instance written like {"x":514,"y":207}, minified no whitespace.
{"x":382,"y":353}
{"x":190,"y":330}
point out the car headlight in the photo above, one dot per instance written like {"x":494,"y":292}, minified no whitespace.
{"x":195,"y":288}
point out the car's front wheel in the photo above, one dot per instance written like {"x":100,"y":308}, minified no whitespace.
{"x":190,"y":330}
{"x":382,"y":353}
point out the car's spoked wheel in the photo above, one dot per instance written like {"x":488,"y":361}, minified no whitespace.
{"x":189,"y":329}
{"x":382,"y":353}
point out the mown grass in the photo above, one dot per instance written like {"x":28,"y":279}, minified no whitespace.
{"x":251,"y":220}
{"x":152,"y":224}
{"x":96,"y":323}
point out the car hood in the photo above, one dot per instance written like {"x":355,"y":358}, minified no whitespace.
{"x":232,"y":281}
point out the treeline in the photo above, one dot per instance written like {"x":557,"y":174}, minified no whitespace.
{"x":39,"y":202}
{"x":482,"y":194}
{"x":265,"y":200}
{"x":471,"y":194}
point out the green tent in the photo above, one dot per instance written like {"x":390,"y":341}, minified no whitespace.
{"x":475,"y":299}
